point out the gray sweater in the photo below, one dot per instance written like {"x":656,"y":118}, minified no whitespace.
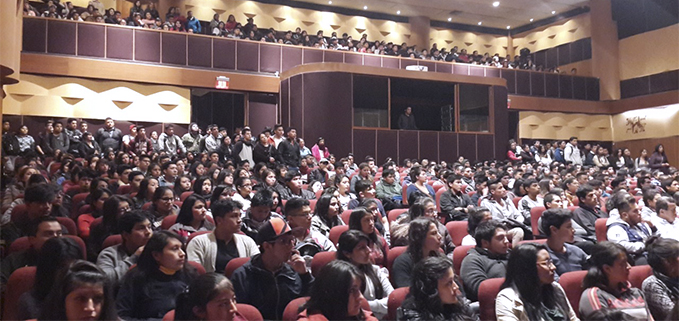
{"x":115,"y":262}
{"x":480,"y":265}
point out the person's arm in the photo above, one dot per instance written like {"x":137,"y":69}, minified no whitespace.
{"x":524,"y":208}
{"x":472,"y":273}
{"x":402,"y":271}
{"x":591,"y":304}
{"x":617,"y":234}
{"x":126,"y":299}
{"x":658,"y":301}
{"x":195,"y":252}
{"x":380,"y":305}
{"x":181,"y":145}
{"x":115,"y":270}
{"x":504,"y":305}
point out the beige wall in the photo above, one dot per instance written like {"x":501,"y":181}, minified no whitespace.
{"x":559,"y":126}
{"x":446,"y":38}
{"x":561,"y":32}
{"x":649,"y":53}
{"x":84,"y":98}
{"x":658,"y":122}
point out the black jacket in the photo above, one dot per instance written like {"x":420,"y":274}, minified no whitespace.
{"x":289,"y":153}
{"x":449,"y":202}
{"x":407,"y":122}
{"x":261,"y":154}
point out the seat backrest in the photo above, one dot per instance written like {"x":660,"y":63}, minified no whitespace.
{"x":184,"y":195}
{"x":123,"y":190}
{"x":571,"y":282}
{"x":335,"y":233}
{"x":393,"y":253}
{"x":538,"y":241}
{"x":199,"y":268}
{"x":439,"y":192}
{"x":438,"y":187}
{"x":168,"y":221}
{"x":600,"y":229}
{"x":404,"y":194}
{"x":488,"y":290}
{"x":459,"y":253}
{"x":457,"y":231}
{"x":18,"y":212}
{"x":516,"y":201}
{"x":249,"y":312}
{"x":535,"y":214}
{"x":312,"y":205}
{"x":193,"y":235}
{"x":394,"y":214}
{"x":22,"y":244}
{"x":112,"y":240}
{"x":345,"y":216}
{"x":81,"y":243}
{"x":75,"y":202}
{"x":68,"y":224}
{"x":234,"y":264}
{"x":638,"y":274}
{"x":146,"y":206}
{"x":320,"y":260}
{"x":319,"y":193}
{"x":292,"y":309}
{"x":394,"y":301}
{"x":169,"y":316}
{"x":19,"y":282}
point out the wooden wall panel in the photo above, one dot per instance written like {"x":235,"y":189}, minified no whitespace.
{"x":429,"y":145}
{"x":387,"y":145}
{"x":448,"y":146}
{"x":671,"y":145}
{"x":200,"y":52}
{"x":407,"y":144}
{"x":365,"y":144}
{"x":91,"y":40}
{"x":174,"y":49}
{"x":61,"y":37}
{"x":226,"y":57}
{"x":270,"y":58}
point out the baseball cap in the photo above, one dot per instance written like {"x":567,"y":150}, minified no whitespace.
{"x":324,"y":160}
{"x":272,"y":229}
{"x":133,"y":126}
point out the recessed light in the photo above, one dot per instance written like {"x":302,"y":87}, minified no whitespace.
{"x":329,"y":2}
{"x":365,"y":7}
{"x":531,"y":19}
{"x":398,"y":12}
{"x":509,"y":27}
{"x":553,"y":12}
{"x":450,"y":19}
{"x":480,"y":23}
{"x":496,"y":4}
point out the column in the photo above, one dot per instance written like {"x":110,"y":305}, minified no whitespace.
{"x":605,"y":59}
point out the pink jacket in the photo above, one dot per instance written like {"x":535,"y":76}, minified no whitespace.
{"x":316,"y":151}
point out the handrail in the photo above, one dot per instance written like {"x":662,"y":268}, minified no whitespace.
{"x":108,"y":41}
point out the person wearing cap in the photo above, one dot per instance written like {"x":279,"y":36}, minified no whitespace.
{"x":127,"y":139}
{"x":276,"y":276}
{"x":321,"y":172}
{"x":214,"y":250}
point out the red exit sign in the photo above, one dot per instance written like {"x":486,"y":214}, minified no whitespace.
{"x":222,"y":82}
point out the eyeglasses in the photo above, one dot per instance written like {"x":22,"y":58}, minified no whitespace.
{"x":548,"y":263}
{"x":167,"y":199}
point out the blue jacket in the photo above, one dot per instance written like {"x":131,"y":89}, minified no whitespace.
{"x":194,"y":24}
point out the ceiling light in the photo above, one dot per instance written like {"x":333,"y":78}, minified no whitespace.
{"x":531,"y":19}
{"x":398,"y":12}
{"x":553,"y":12}
{"x":450,"y":19}
{"x":509,"y":27}
{"x":480,"y":23}
{"x":329,"y":2}
{"x":365,"y":7}
{"x":496,"y":4}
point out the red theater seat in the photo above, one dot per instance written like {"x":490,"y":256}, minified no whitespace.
{"x":168,"y":221}
{"x":336,"y":232}
{"x":457,"y":230}
{"x":320,"y":260}
{"x":600,"y":229}
{"x":394,"y":302}
{"x":112,"y":240}
{"x":292,"y":309}
{"x":488,"y":290}
{"x":249,"y":312}
{"x":571,"y":282}
{"x":638,"y":274}
{"x":459,"y":253}
{"x":393,"y":253}
{"x":535,"y":214}
{"x":19,"y":282}
{"x":234,"y":264}
{"x":395,"y":213}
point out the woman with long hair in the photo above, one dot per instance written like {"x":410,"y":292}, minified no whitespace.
{"x":327,"y":214}
{"x":364,"y":221}
{"x":162,"y":205}
{"x":55,"y":254}
{"x":529,"y":283}
{"x":267,"y":180}
{"x":336,"y":295}
{"x":343,"y":187}
{"x":608,"y":294}
{"x":243,"y":192}
{"x":434,"y":294}
{"x":97,"y":199}
{"x":192,"y":217}
{"x":658,"y":160}
{"x":197,"y":169}
{"x":662,"y":288}
{"x":182,"y":184}
{"x":149,"y":290}
{"x":355,"y":247}
{"x":225,"y":178}
{"x":203,"y":187}
{"x":421,"y":207}
{"x":114,"y":207}
{"x":81,"y":292}
{"x":642,"y":160}
{"x":424,"y":240}
{"x":147,"y":187}
{"x":210,"y":297}
{"x":418,"y":177}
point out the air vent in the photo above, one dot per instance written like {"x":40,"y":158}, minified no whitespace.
{"x":455,"y":13}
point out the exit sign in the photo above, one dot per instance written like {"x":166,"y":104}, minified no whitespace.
{"x":222,"y":82}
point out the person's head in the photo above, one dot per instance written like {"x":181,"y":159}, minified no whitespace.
{"x":433,"y":286}
{"x":209,"y":297}
{"x":670,"y":185}
{"x":476,"y":217}
{"x":409,"y":110}
{"x":531,"y":271}
{"x":202,"y":186}
{"x":193,"y":209}
{"x":276,"y":241}
{"x":162,"y":251}
{"x":552,"y":200}
{"x":587,"y":196}
{"x":424,"y":238}
{"x":56,"y":254}
{"x":663,"y":255}
{"x":43,"y":229}
{"x":337,"y":291}
{"x":666,"y":208}
{"x":38,"y":199}
{"x":113,"y":208}
{"x":496,"y":190}
{"x":417,"y":174}
{"x":98,"y":198}
{"x":627,"y":207}
{"x":298,"y":213}
{"x":227,"y":215}
{"x":364,"y":189}
{"x":354,"y":247}
{"x":532,"y":187}
{"x":609,"y":266}
{"x":328,"y":207}
{"x":260,"y":205}
{"x":244,"y":186}
{"x":362,"y":220}
{"x":423,"y":207}
{"x":163,"y":200}
{"x":81,"y":292}
{"x":492,"y":236}
{"x":293,"y":180}
{"x":389,"y":176}
{"x":135,"y":229}
{"x":558,"y":224}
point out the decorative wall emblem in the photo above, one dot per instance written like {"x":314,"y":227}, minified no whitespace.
{"x":636,"y":124}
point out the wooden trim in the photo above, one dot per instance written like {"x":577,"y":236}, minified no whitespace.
{"x":399,"y":73}
{"x":136,"y":72}
{"x":558,"y":105}
{"x":646,"y":101}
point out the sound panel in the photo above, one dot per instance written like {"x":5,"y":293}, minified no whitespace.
{"x":407,"y":144}
{"x":579,"y":88}
{"x":34,"y":35}
{"x":333,"y":56}
{"x":523,"y":82}
{"x":285,"y":102}
{"x":224,"y":54}
{"x":61,"y":38}
{"x":247,"y":54}
{"x":295,"y":111}
{"x":270,"y":58}
{"x":429,"y":64}
{"x":445,"y":68}
{"x":429,"y":145}
{"x":461,"y":69}
{"x":485,"y":146}
{"x":467,"y":143}
{"x":537,"y":84}
{"x":592,"y":89}
{"x":665,"y":81}
{"x":311,"y":56}
{"x":200,"y":52}
{"x":291,"y":57}
{"x":174,"y":49}
{"x":493,"y":72}
{"x":565,"y":87}
{"x":510,"y":76}
{"x":392,"y":63}
{"x":354,"y":59}
{"x":91,"y":40}
{"x":387,"y":145}
{"x":147,"y":46}
{"x":365,"y":142}
{"x":551,"y":85}
{"x":372,"y":60}
{"x":476,"y":71}
{"x":447,"y":146}
{"x":564,"y":54}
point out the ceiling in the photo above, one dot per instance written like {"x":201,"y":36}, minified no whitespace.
{"x":513,"y":13}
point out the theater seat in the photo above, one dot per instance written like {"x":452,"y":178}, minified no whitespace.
{"x":112,"y":240}
{"x":394,"y":301}
{"x":457,"y":231}
{"x":234,"y":264}
{"x":249,"y":312}
{"x":193,"y":235}
{"x":20,"y":281}
{"x":292,"y":309}
{"x":395,"y":213}
{"x":601,"y":229}
{"x":168,"y":221}
{"x":404,"y":194}
{"x":516,"y":201}
{"x":459,"y":253}
{"x":185,"y":195}
{"x":68,"y":224}
{"x":393,"y":253}
{"x":199,"y":268}
{"x":312,"y":205}
{"x":638,"y":274}
{"x":540,"y":241}
{"x":571,"y":282}
{"x":22,"y":244}
{"x":75,"y":203}
{"x":345,"y":216}
{"x":320,"y":260}
{"x":336,"y":232}
{"x":488,"y":290}
{"x":535,"y":214}
{"x":124,"y":190}
{"x":18,"y":212}
{"x":169,"y":316}
{"x":438,"y":198}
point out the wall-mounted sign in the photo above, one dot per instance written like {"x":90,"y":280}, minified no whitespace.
{"x":222,"y":82}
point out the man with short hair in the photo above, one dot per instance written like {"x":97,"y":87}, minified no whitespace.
{"x":308,"y":241}
{"x":455,"y":204}
{"x":572,"y":152}
{"x":192,"y":23}
{"x":276,"y":276}
{"x":59,"y":140}
{"x":212,"y":141}
{"x":669,"y":186}
{"x":407,"y":120}
{"x":627,"y":229}
{"x":243,"y":150}
{"x":143,"y":165}
{"x":258,"y":213}
{"x":171,"y":143}
{"x":558,"y":226}
{"x":481,"y":186}
{"x":288,"y":150}
{"x":169,"y":174}
{"x":83,"y":178}
{"x":666,"y":220}
{"x":74,"y":136}
{"x":293,"y":187}
{"x":135,"y":178}
{"x":277,"y":137}
{"x":531,"y":199}
{"x":109,"y":136}
{"x":649,"y":197}
{"x":214,"y":250}
{"x":135,"y":230}
{"x":588,"y":211}
{"x":503,"y":210}
{"x":487,"y":260}
{"x":388,"y":190}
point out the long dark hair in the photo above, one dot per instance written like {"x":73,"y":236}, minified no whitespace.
{"x":522,"y":275}
{"x":331,"y":289}
{"x":355,"y":223}
{"x":55,"y":254}
{"x":322,"y":206}
{"x":202,"y":290}
{"x":347,"y":243}
{"x":79,"y":273}
{"x":603,"y":253}
{"x":661,"y":251}
{"x":146,"y":263}
{"x":110,"y":212}
{"x":198,"y":186}
{"x":417,"y":233}
{"x":94,"y":197}
{"x":424,"y":295}
{"x":185,"y":215}
{"x":419,"y":206}
{"x":143,"y":189}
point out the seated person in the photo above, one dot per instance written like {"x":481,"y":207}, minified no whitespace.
{"x":388,"y":190}
{"x":135,"y":230}
{"x":588,"y":211}
{"x":558,"y":226}
{"x":364,"y":173}
{"x":293,"y":187}
{"x":418,"y":177}
{"x":661,"y":289}
{"x":38,"y":199}
{"x":214,"y":250}
{"x":455,"y":203}
{"x":43,"y":229}
{"x":424,"y":241}
{"x":192,"y":217}
{"x":476,"y":216}
{"x":481,"y":186}
{"x":276,"y":276}
{"x":502,"y":208}
{"x":666,"y":220}
{"x":210,"y":297}
{"x":328,"y":214}
{"x":308,"y":242}
{"x":650,"y":195}
{"x":531,"y":199}
{"x":487,"y":260}
{"x":627,"y":229}
{"x":259,"y":213}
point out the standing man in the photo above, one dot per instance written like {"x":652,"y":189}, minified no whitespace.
{"x":74,"y":136}
{"x":213,"y":139}
{"x":59,"y":140}
{"x":407,"y":120}
{"x":572,"y":152}
{"x":109,"y":136}
{"x":171,"y":143}
{"x":288,"y":150}
{"x":128,"y":139}
{"x":243,"y":149}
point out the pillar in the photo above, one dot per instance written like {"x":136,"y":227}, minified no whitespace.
{"x":420,"y":32}
{"x":11,"y":14}
{"x":605,"y":59}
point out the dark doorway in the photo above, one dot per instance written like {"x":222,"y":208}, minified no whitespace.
{"x":430,"y":101}
{"x":513,"y":122}
{"x":214,"y":107}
